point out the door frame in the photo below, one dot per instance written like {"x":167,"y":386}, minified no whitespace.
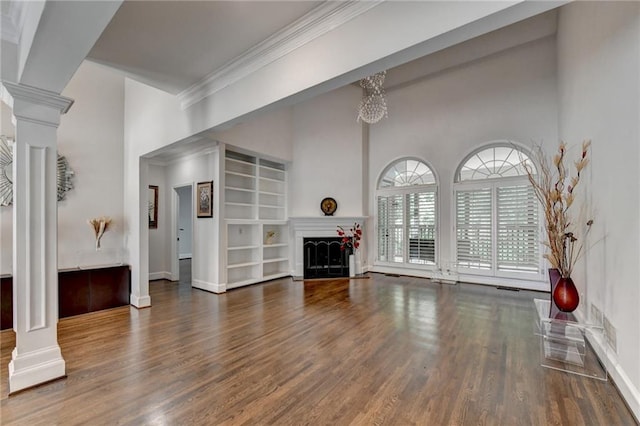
{"x":175,"y":255}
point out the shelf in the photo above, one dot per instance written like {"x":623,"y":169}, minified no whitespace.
{"x":276,"y":194}
{"x":272,"y":180}
{"x":229,"y":172}
{"x":233,"y":188}
{"x":255,"y":203}
{"x":229,"y":203}
{"x":279,"y":259}
{"x":235,"y":160}
{"x":565,"y":343}
{"x":275,"y":222}
{"x":242,"y":265}
{"x":242,"y":248}
{"x":262,"y":166}
{"x":237,"y":221}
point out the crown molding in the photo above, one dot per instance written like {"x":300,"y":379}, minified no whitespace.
{"x":38,"y":96}
{"x":319,"y":21}
{"x":186,"y":154}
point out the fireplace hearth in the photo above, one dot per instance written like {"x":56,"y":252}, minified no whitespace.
{"x":324,"y":259}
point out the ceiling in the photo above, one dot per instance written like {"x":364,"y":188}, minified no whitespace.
{"x":171,"y":45}
{"x":174,"y":45}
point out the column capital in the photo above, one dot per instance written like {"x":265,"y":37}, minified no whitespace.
{"x":38,"y":96}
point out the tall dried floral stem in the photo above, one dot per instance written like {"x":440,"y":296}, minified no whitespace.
{"x":556,"y":199}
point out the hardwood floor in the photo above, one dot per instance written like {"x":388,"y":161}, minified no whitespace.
{"x":397,"y":351}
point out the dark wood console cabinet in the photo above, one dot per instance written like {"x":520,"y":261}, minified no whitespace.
{"x":79,"y":291}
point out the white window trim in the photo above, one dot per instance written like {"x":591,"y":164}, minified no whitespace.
{"x":404,"y":190}
{"x":493,"y":183}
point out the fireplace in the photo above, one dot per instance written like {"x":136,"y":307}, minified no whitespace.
{"x":324,"y":259}
{"x":319,"y":227}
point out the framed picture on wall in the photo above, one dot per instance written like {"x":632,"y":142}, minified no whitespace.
{"x":205,"y":199}
{"x":153,"y":207}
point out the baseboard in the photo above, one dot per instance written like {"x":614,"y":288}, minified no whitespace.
{"x":629,"y":392}
{"x":609,"y":359}
{"x":36,"y":367}
{"x":383,"y":269}
{"x":184,"y":256}
{"x":164,"y":275}
{"x":140,"y":301}
{"x":504,"y":282}
{"x":212,"y":287}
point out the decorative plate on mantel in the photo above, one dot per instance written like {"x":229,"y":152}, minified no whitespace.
{"x":328,"y":206}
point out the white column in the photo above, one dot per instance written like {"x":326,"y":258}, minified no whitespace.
{"x":139,"y":244}
{"x":36,"y":358}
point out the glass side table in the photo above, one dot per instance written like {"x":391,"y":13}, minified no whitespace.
{"x":564,"y":343}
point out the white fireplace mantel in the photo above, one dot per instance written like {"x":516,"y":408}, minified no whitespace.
{"x":318,"y":226}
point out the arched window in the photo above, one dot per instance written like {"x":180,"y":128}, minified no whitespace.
{"x":497,"y":228}
{"x":406,"y":199}
{"x":406,"y":172}
{"x":495,"y":162}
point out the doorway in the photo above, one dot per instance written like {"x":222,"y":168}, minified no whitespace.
{"x":184,"y":232}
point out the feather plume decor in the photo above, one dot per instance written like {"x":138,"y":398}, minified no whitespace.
{"x":99,"y":226}
{"x":555,"y":190}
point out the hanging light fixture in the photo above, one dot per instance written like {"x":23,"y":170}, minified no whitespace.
{"x":373,"y":106}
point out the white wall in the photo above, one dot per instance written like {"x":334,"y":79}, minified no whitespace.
{"x":155,"y":119}
{"x":90,"y":136}
{"x":267,"y":133}
{"x":205,"y":263}
{"x":327,"y":154}
{"x":442,"y":118}
{"x":599,"y":99}
{"x":159,"y":265}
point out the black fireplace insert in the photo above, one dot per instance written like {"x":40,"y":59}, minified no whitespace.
{"x":324,"y":259}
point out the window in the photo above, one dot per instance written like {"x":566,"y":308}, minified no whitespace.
{"x":497,"y":230}
{"x":407,"y":213}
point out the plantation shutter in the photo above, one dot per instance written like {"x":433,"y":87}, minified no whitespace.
{"x":383,"y":219}
{"x":390,"y":228}
{"x":421,"y":218}
{"x":517,"y":229}
{"x":473,"y":228}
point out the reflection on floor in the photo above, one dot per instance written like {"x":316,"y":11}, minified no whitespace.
{"x":185,"y":271}
{"x":385,"y":351}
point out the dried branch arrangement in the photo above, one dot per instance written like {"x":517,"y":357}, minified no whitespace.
{"x":99,"y":226}
{"x":556,"y":197}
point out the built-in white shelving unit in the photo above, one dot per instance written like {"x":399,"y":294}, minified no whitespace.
{"x":271,"y":190}
{"x":275,"y":253}
{"x":255,"y":206}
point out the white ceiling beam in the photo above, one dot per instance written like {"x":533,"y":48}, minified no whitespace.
{"x":55,"y":38}
{"x":386,"y":36}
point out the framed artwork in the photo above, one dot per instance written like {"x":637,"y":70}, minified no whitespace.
{"x":205,"y":199}
{"x":153,"y":206}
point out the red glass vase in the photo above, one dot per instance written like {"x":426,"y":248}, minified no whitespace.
{"x":565,"y":295}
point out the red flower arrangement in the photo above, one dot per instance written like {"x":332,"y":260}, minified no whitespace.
{"x":351,"y":238}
